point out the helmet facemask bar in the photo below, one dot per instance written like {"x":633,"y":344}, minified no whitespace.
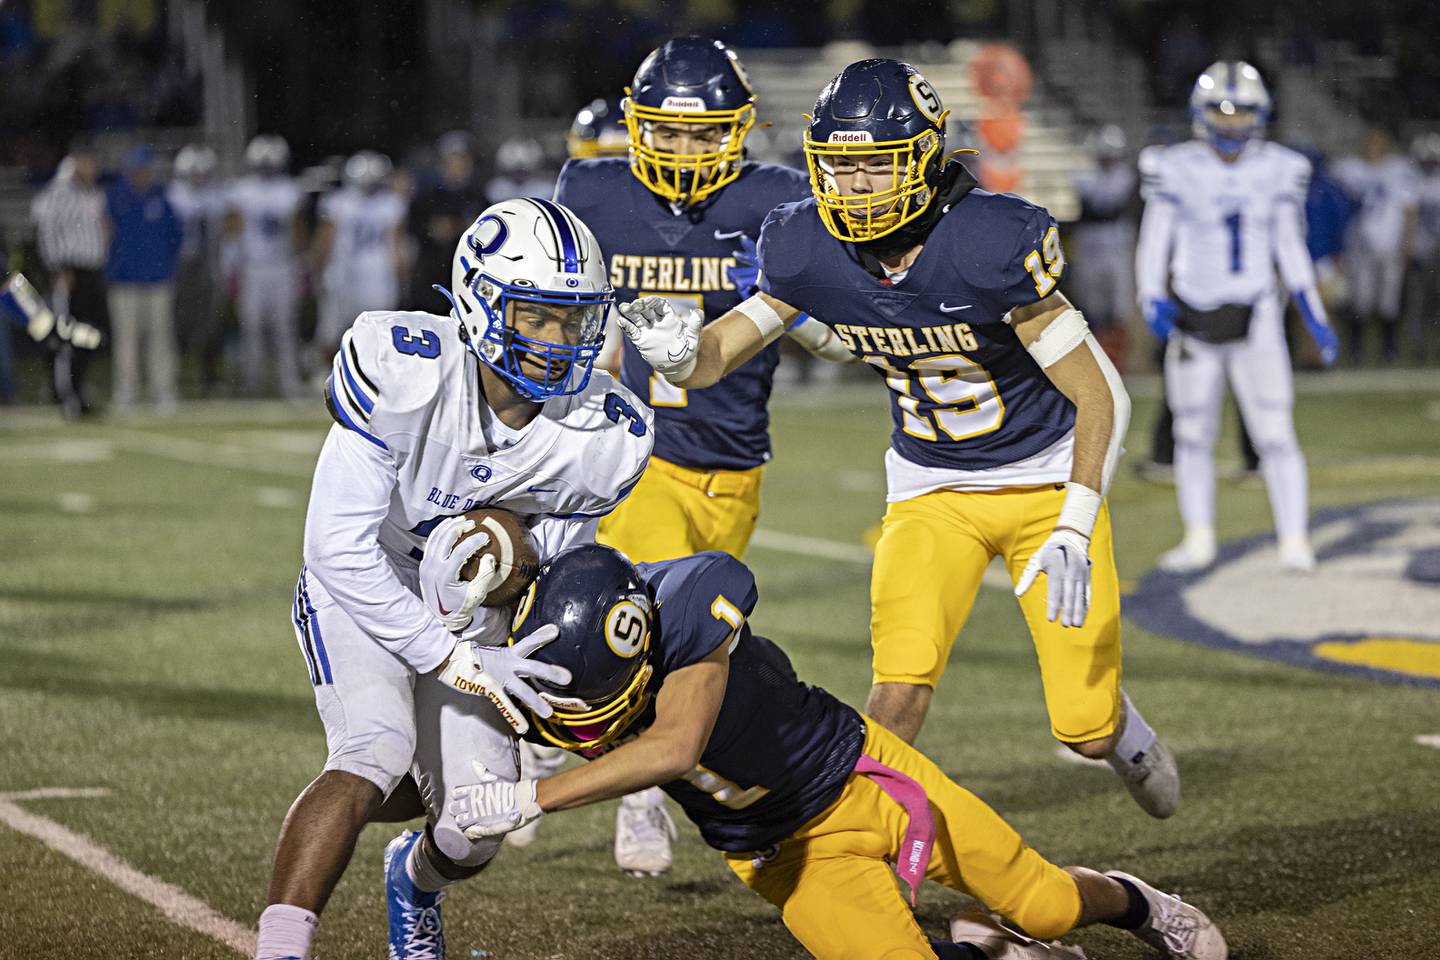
{"x":577,"y":726}
{"x":1222,"y":124}
{"x":686,"y":178}
{"x":857,"y":217}
{"x":567,"y":367}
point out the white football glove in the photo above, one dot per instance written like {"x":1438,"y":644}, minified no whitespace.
{"x":492,"y":807}
{"x":496,"y":673}
{"x":1064,"y":558}
{"x":451,"y":599}
{"x":668,"y":340}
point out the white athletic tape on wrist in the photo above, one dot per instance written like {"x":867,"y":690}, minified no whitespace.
{"x":1081,"y":508}
{"x":766,"y":320}
{"x":1063,"y":334}
{"x":819,"y":339}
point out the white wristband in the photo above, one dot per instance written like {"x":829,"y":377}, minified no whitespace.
{"x":766,"y":320}
{"x":1081,"y":508}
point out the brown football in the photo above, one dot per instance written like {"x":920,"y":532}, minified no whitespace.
{"x":514,"y":549}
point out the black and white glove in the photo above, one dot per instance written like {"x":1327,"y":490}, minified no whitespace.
{"x":498,"y":674}
{"x":492,"y":807}
{"x":668,"y":339}
{"x":1064,"y":558}
{"x":450,"y":598}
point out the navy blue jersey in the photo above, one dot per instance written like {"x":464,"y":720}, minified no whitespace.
{"x":964,"y":392}
{"x":685,"y":256}
{"x":781,"y":749}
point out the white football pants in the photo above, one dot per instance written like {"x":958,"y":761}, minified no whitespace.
{"x":269,"y":302}
{"x":382,"y":720}
{"x":1258,"y":369}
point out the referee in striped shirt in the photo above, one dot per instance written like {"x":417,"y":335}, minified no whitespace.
{"x":74,"y":234}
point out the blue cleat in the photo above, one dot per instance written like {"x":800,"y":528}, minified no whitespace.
{"x":415,"y":931}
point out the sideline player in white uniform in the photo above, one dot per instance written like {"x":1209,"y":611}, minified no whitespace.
{"x":1422,"y":299}
{"x":358,"y":247}
{"x":1377,"y":243}
{"x":1222,"y":211}
{"x":264,"y":216}
{"x":425,"y":432}
{"x":1105,"y":281}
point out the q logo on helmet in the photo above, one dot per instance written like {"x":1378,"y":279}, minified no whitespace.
{"x":626,"y":627}
{"x":496,"y":233}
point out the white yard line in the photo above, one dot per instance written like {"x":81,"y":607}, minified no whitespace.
{"x":824,"y":549}
{"x":1429,"y":740}
{"x":178,"y":906}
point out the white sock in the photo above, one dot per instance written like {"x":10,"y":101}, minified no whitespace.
{"x":422,"y":872}
{"x":1136,"y":740}
{"x":1195,"y":483}
{"x":643,"y":799}
{"x":285,"y":931}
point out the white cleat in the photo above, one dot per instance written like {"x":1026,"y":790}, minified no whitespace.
{"x":1152,"y":779}
{"x":997,"y":942}
{"x":1192,"y":556}
{"x":1175,"y":927}
{"x":1296,"y":555}
{"x":644,"y":833}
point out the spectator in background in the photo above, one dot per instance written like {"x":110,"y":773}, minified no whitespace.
{"x":442,"y":209}
{"x":1377,"y":244}
{"x":74,"y":237}
{"x":1422,"y":301}
{"x":199,"y":202}
{"x":521,"y":170}
{"x":141,"y":275}
{"x":1105,"y":238}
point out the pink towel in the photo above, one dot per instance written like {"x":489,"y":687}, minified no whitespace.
{"x":919,"y":841}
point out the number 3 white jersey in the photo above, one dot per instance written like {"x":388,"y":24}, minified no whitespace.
{"x":416,"y":442}
{"x":1215,"y":230}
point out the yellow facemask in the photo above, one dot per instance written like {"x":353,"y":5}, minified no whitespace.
{"x":686,"y":178}
{"x":855,"y":217}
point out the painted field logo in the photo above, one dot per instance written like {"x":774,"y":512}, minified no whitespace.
{"x":1372,"y":608}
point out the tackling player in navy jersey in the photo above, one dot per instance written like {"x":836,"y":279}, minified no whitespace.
{"x":1007,"y":415}
{"x":810,"y":802}
{"x":679,"y":217}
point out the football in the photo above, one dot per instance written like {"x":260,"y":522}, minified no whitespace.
{"x":513,"y":547}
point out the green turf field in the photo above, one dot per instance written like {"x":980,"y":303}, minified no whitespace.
{"x":146,"y":570}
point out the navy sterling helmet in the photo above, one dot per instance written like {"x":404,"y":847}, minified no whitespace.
{"x":596,"y":599}
{"x":882,"y":118}
{"x":695,"y":82}
{"x":598,"y":131}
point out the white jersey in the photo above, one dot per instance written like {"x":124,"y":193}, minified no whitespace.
{"x":415,"y":442}
{"x":365,"y":224}
{"x":1215,"y":230}
{"x":201,"y":209}
{"x":1385,"y":190}
{"x":1427,"y":233}
{"x":267,"y":208}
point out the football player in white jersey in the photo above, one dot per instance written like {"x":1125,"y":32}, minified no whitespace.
{"x":1222,"y":211}
{"x":1422,"y":299}
{"x":358,"y":247}
{"x":264,"y":208}
{"x":497,"y":405}
{"x":1378,"y":241}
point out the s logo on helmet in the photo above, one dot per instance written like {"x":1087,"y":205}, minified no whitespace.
{"x":626,"y":627}
{"x":488,"y":235}
{"x":925,"y":97}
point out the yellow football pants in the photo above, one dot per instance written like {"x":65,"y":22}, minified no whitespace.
{"x":675,"y":511}
{"x":835,"y":884}
{"x":934,"y":549}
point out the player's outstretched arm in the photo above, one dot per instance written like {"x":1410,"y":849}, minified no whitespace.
{"x":1298,"y":272}
{"x":1056,"y":335}
{"x":692,"y":354}
{"x":685,"y":712}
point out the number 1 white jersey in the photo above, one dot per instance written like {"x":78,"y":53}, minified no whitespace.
{"x":1227,"y":225}
{"x":416,"y":442}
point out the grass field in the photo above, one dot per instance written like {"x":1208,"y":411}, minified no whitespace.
{"x":146,"y":569}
